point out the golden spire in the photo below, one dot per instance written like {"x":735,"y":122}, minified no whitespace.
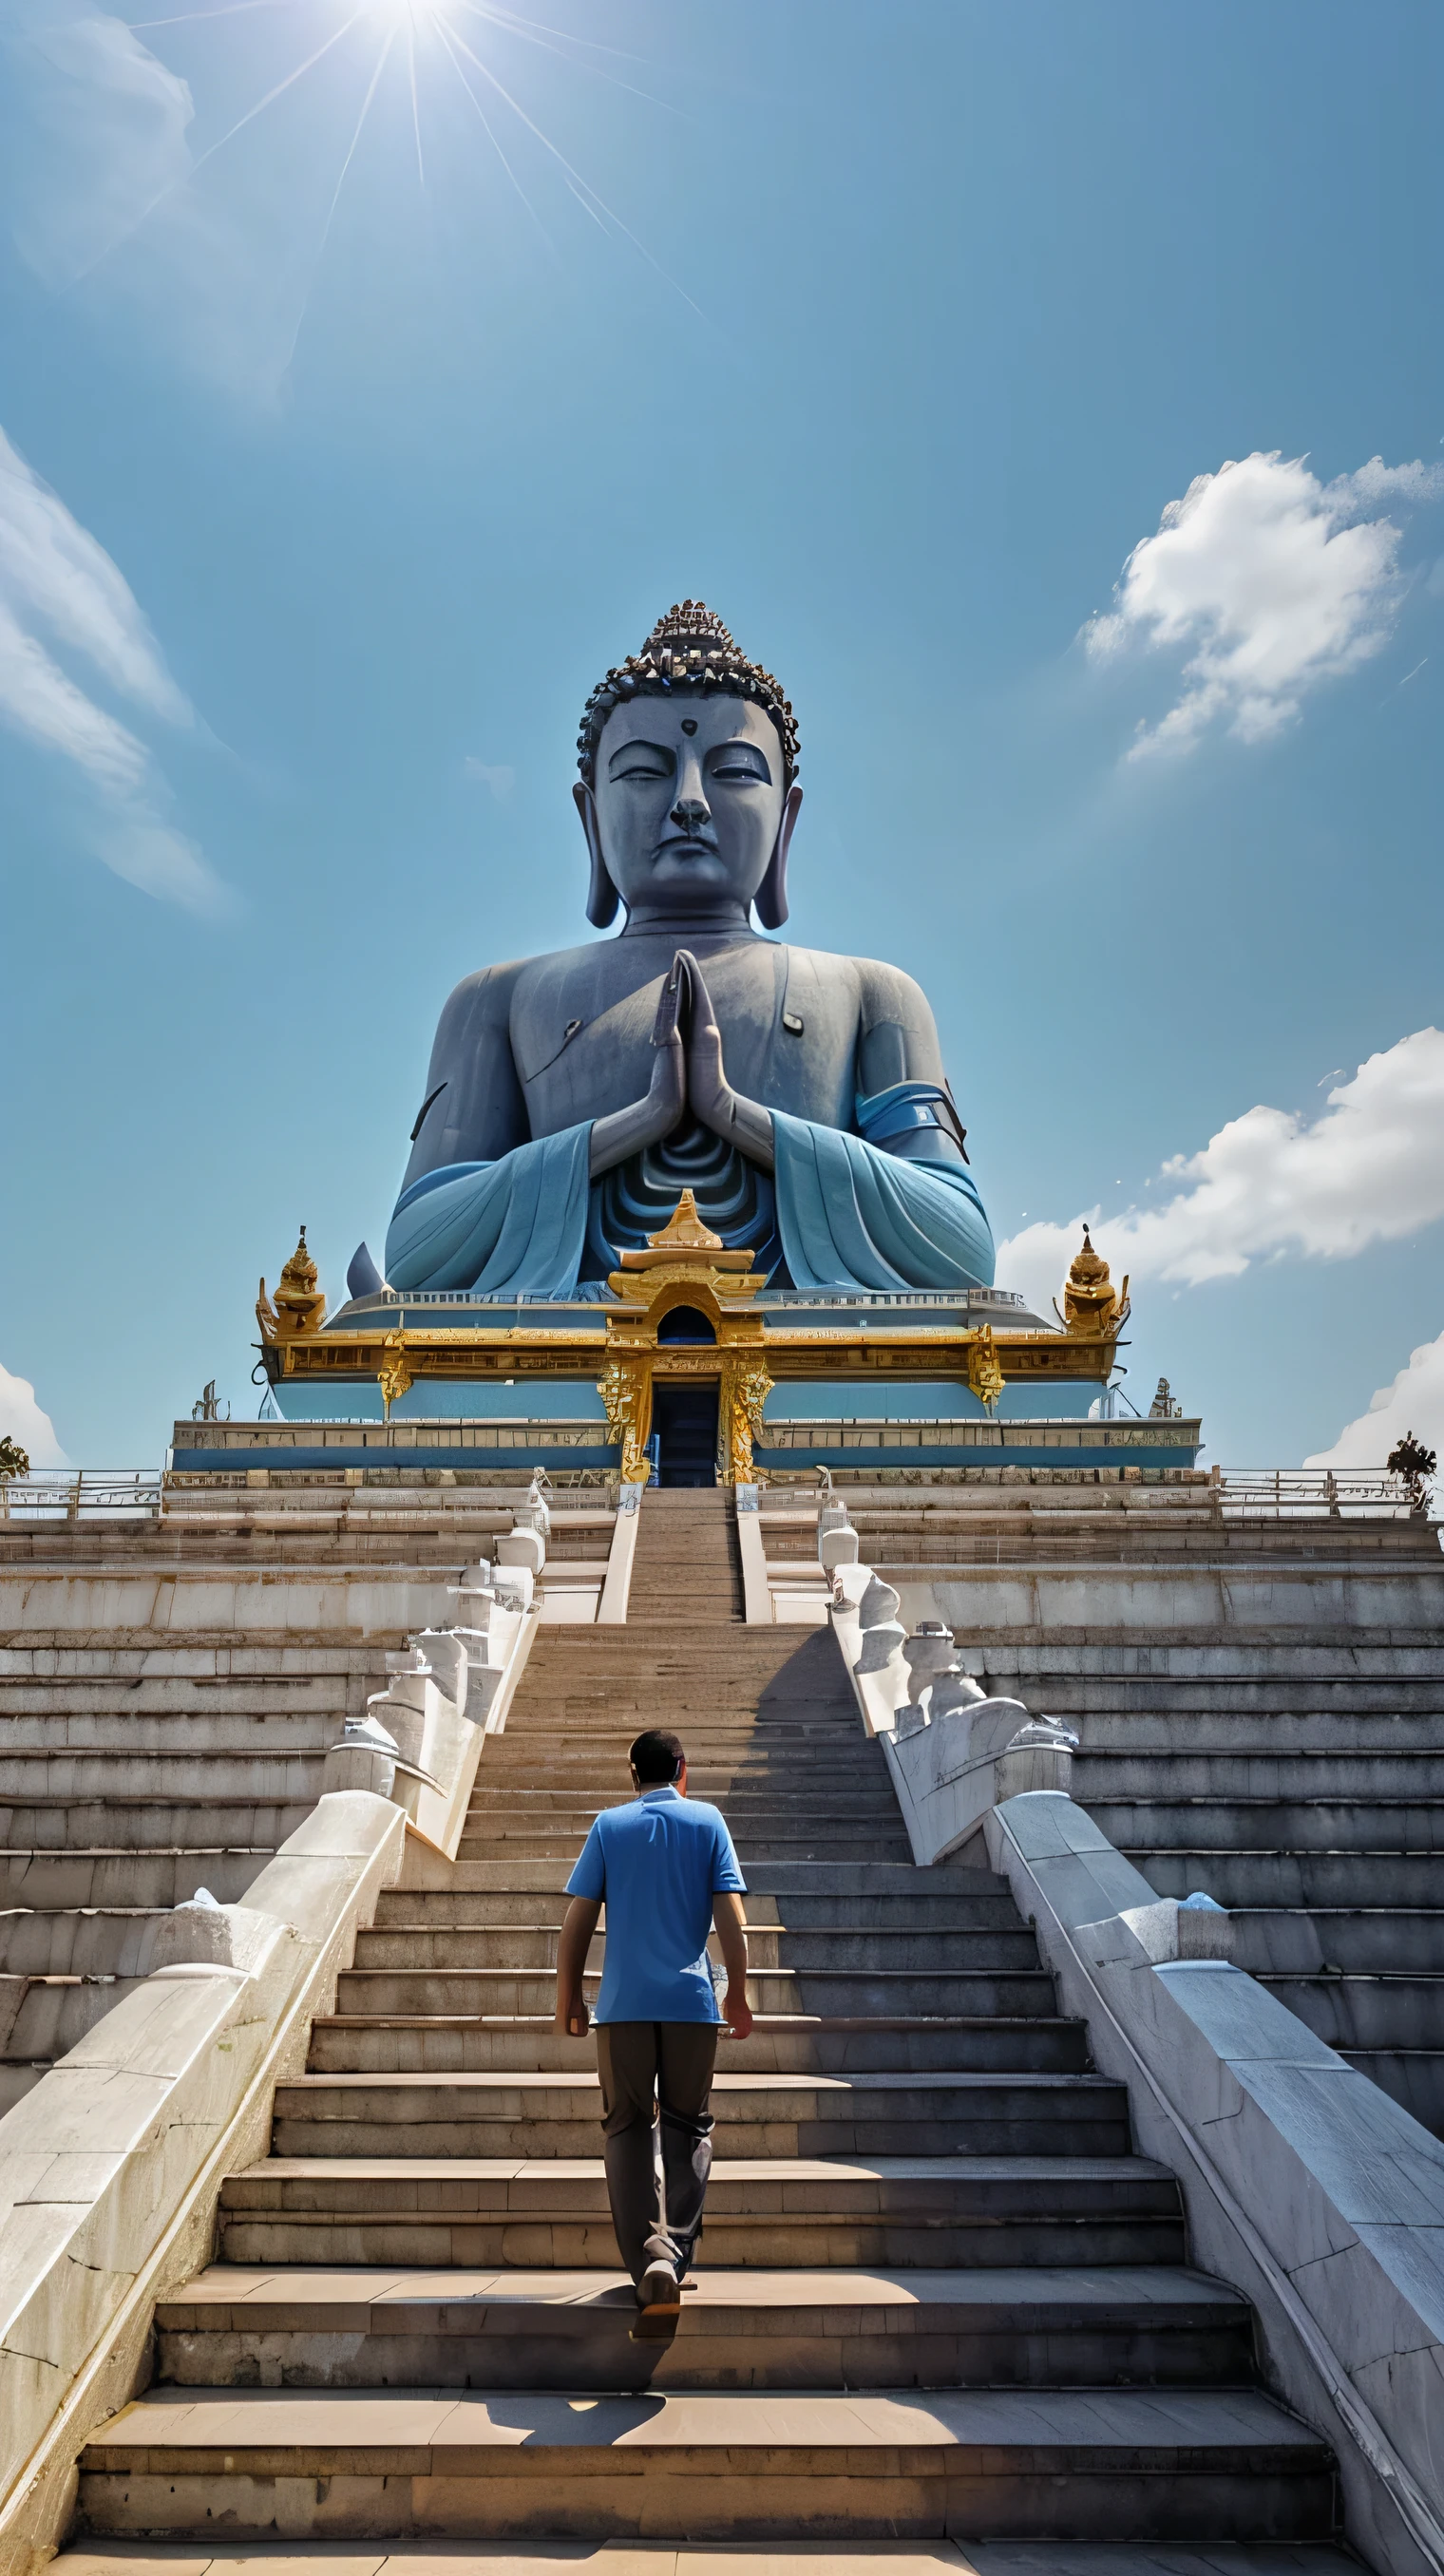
{"x":1089,"y":1267}
{"x":684,"y":1230}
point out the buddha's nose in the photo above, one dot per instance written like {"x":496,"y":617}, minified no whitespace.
{"x":690,"y":813}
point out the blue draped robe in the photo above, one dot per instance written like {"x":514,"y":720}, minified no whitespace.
{"x":847,"y":1213}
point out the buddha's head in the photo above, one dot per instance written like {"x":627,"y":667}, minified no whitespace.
{"x":688,"y":793}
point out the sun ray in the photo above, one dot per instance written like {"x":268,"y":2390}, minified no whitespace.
{"x":444,"y":31}
{"x":589,"y":194}
{"x":511,"y":24}
{"x":539,"y":36}
{"x":415,"y":101}
{"x":192,"y":17}
{"x":378,"y":69}
{"x":185,"y":177}
{"x":273,"y":94}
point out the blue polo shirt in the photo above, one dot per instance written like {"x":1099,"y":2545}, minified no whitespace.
{"x":656,"y":1865}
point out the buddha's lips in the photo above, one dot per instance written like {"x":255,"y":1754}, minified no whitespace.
{"x":687,"y":849}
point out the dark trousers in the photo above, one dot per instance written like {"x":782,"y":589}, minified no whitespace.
{"x":647,"y":2066}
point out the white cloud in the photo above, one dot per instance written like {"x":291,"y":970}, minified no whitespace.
{"x":60,"y":592}
{"x":500,"y":779}
{"x":1370,"y":1169}
{"x":1269,"y":582}
{"x":1413,"y":1401}
{"x":105,"y":135}
{"x":22,"y":1418}
{"x":96,"y":163}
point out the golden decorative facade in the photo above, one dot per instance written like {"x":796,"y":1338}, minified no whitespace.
{"x":685,"y":1265}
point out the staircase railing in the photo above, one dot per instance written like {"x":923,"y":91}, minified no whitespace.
{"x":70,"y":1493}
{"x":1252,"y":1493}
{"x":1311,"y":1493}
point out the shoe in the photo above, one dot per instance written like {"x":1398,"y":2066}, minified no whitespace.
{"x":659,"y":2292}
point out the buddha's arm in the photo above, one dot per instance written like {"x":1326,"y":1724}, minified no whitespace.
{"x":472,"y":1110}
{"x":898,"y":1044}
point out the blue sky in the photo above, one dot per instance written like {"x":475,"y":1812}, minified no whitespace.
{"x":893,"y":333}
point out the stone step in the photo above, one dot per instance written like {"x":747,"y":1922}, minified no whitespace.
{"x":500,"y":1802}
{"x":1413,"y":2077}
{"x":862,"y":1877}
{"x":76,"y":1942}
{"x":949,"y":2211}
{"x":873,"y":2114}
{"x":929,"y":1904}
{"x":1268,"y":1824}
{"x":1237,"y":1729}
{"x":1258,"y":1878}
{"x":787,"y":2044}
{"x":105,"y":1876}
{"x":218,"y":2557}
{"x":257,"y":1774}
{"x":1367,"y":2012}
{"x":1306,"y":1777}
{"x":838,"y":1947}
{"x":1189,"y":2464}
{"x":1023,"y":2327}
{"x":847,"y":1992}
{"x":822,"y":1842}
{"x":136,"y":1822}
{"x":1305,"y":1942}
{"x":56,"y":2013}
{"x":192,"y":1728}
{"x":521,"y":1768}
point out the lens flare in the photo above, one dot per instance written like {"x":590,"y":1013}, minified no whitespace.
{"x":421,"y":40}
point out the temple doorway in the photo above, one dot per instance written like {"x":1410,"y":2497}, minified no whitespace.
{"x":684,"y":1424}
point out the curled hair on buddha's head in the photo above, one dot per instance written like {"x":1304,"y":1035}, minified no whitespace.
{"x":689,"y":648}
{"x":657,"y":1758}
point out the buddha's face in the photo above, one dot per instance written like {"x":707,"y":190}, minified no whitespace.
{"x":688,"y":803}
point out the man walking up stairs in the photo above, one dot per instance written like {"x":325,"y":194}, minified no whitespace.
{"x":939,"y":2299}
{"x":665,"y":1869}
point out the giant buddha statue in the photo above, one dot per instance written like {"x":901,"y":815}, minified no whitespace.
{"x":799,"y":1095}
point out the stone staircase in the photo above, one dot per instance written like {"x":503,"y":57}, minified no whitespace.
{"x":168,"y":1691}
{"x":165,"y":1711}
{"x":1260,"y":1709}
{"x":937,"y":2295}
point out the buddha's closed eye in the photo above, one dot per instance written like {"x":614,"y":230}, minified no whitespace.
{"x":740,"y":764}
{"x":642,"y":760}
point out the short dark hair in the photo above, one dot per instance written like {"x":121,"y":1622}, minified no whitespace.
{"x":656,"y":1757}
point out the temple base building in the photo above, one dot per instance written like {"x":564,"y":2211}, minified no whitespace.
{"x":693,"y":1372}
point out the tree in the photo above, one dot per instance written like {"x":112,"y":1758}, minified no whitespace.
{"x":1417,"y":1465}
{"x":14,"y":1461}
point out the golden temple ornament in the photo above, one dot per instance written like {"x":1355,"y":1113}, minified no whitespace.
{"x":1091,"y":1304}
{"x":985,"y":1369}
{"x":299,"y":1305}
{"x":394,"y":1376}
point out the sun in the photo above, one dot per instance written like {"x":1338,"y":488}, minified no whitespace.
{"x":448,"y":40}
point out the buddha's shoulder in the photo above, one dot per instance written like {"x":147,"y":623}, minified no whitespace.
{"x":879,"y":990}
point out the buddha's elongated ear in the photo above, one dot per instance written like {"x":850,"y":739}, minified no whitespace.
{"x":770,"y":901}
{"x":602,"y":895}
